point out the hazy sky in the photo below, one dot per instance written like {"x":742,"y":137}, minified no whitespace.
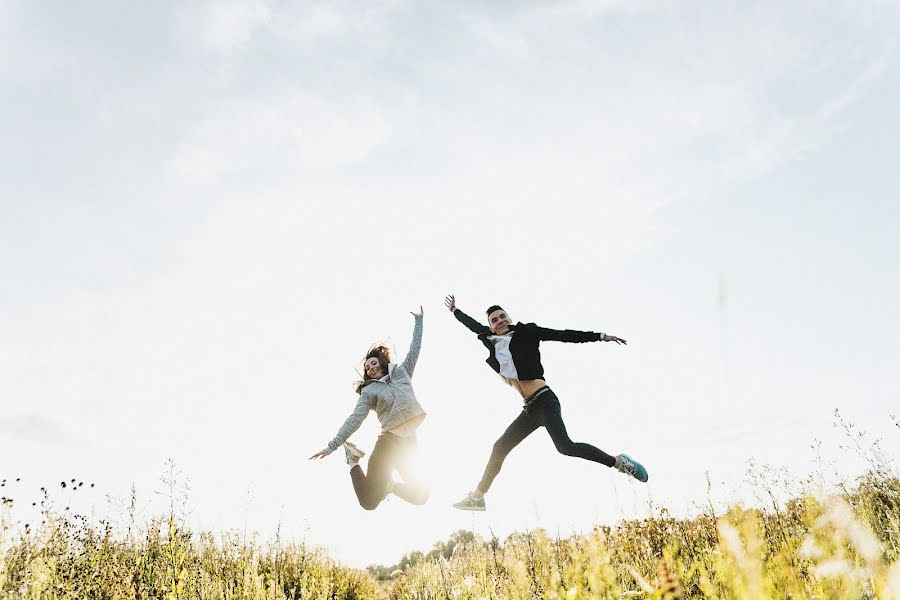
{"x":210,"y":210}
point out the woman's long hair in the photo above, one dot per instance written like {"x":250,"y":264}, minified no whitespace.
{"x":383,"y":355}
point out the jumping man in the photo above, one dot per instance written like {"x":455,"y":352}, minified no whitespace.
{"x":515,"y":355}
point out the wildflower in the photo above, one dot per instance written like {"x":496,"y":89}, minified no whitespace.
{"x":834,"y":568}
{"x":865,"y":543}
{"x":810,"y":549}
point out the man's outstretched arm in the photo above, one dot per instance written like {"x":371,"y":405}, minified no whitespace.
{"x":574,"y":336}
{"x":473,"y":325}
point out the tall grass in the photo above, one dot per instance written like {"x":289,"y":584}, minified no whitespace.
{"x":68,"y":558}
{"x":843,"y":546}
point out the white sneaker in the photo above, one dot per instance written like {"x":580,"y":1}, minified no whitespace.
{"x":470,"y":502}
{"x":352,"y":453}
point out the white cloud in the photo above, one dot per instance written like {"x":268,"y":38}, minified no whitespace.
{"x":36,"y":429}
{"x":226,"y":28}
{"x":223,"y":26}
{"x":293,"y":131}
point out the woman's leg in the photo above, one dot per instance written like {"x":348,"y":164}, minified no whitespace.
{"x":517,"y":431}
{"x":550,"y":415}
{"x":372,"y":487}
{"x":412,"y":489}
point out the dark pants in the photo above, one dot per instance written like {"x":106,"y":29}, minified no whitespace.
{"x":391,"y":452}
{"x":541,"y":410}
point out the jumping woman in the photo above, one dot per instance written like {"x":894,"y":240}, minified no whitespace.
{"x":387,"y":389}
{"x":515,"y":356}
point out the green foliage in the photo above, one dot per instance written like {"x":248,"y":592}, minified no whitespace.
{"x":440,"y":549}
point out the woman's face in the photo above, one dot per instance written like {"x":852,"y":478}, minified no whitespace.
{"x":373,"y":368}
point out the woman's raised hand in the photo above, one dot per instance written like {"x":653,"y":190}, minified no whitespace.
{"x":418,"y":314}
{"x":321,"y":454}
{"x":450,"y":302}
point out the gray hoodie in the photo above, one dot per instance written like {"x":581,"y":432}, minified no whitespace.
{"x":392,"y":398}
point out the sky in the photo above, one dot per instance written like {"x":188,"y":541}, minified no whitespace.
{"x":210,"y":210}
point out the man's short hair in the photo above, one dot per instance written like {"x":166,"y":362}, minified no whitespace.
{"x":493,"y":308}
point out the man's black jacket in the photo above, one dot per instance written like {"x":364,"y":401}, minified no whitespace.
{"x":524,"y":345}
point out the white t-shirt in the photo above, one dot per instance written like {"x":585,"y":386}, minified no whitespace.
{"x":504,"y":357}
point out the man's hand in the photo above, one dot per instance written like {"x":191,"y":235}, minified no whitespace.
{"x":418,"y":314}
{"x":317,"y":455}
{"x":612,"y":338}
{"x":450,"y":302}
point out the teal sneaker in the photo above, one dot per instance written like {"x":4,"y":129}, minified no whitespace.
{"x":629,"y":466}
{"x":352,"y":453}
{"x":470,"y":502}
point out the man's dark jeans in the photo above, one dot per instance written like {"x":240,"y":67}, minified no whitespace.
{"x":390,"y":452}
{"x":542,"y":410}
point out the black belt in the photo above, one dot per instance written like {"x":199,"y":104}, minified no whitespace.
{"x":531,"y":399}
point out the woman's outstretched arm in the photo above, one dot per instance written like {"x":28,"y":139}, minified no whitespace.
{"x":413,"y":355}
{"x":352,"y":423}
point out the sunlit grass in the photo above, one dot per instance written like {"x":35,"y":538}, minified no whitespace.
{"x":844,"y":544}
{"x":68,"y":557}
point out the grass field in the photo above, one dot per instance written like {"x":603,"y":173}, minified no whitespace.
{"x":845,"y":544}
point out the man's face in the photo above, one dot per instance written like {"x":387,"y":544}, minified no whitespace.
{"x":373,"y":368}
{"x":499,"y":322}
